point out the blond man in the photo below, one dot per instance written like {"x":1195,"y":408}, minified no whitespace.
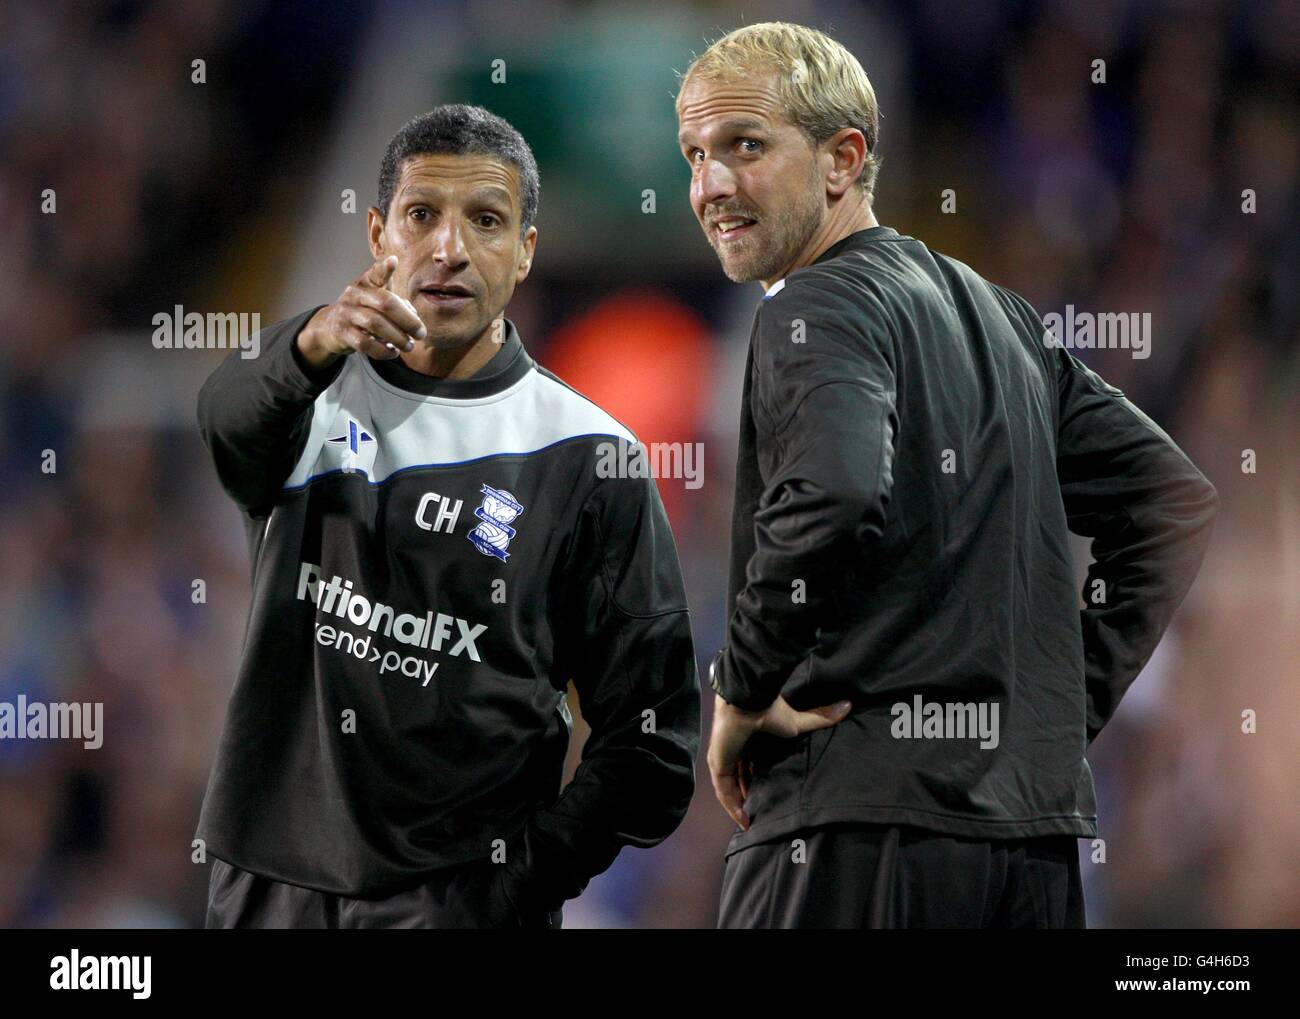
{"x":908,"y":685}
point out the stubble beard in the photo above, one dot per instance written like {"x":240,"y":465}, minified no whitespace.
{"x":775,"y":243}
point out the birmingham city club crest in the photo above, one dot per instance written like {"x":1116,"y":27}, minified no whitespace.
{"x":499,"y":509}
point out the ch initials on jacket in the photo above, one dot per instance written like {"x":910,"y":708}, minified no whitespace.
{"x":447,"y":513}
{"x":491,"y":536}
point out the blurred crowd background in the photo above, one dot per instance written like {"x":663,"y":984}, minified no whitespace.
{"x":229,"y":195}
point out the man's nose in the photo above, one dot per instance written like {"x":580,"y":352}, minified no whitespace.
{"x":449,"y":244}
{"x":714,"y":183}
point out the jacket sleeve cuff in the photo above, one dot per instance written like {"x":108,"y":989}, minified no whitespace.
{"x":526,"y":883}
{"x":724,"y":683}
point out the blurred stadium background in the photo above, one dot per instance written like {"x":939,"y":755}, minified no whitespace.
{"x":227,"y":196}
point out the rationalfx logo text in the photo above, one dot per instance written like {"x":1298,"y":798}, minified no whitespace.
{"x":1106,"y":331}
{"x":946,"y":720}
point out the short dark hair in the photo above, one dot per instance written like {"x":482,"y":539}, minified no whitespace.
{"x":457,"y":129}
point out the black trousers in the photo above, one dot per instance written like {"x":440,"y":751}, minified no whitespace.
{"x":472,"y":895}
{"x":879,"y":876}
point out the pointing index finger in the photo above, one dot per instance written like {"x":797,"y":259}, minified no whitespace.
{"x":382,"y":271}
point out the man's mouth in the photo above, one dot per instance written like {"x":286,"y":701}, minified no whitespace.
{"x":446,"y":295}
{"x":728,"y":227}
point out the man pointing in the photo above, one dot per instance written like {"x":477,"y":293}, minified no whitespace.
{"x":435,"y":557}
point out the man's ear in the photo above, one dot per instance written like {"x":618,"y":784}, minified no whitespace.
{"x":375,"y":232}
{"x":848,"y":152}
{"x":526,"y":252}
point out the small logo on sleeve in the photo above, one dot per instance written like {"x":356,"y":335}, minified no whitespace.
{"x":354,"y":436}
{"x":498,"y":511}
{"x":358,"y":447}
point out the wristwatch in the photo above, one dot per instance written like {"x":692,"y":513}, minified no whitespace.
{"x":714,"y":678}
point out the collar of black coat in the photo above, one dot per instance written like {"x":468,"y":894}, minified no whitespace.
{"x":507,"y":366}
{"x":858,"y":239}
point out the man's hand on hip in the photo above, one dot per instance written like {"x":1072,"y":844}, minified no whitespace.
{"x":732,"y":728}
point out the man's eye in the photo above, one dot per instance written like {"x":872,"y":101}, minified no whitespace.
{"x":487,"y":220}
{"x":751,"y":141}
{"x":419,"y":213}
{"x":694,"y":154}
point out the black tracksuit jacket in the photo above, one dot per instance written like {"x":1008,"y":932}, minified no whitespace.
{"x":433,"y":561}
{"x":912,"y":456}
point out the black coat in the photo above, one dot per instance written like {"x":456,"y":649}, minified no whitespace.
{"x":912,"y":456}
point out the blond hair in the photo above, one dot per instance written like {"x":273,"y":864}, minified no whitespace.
{"x":822,"y":87}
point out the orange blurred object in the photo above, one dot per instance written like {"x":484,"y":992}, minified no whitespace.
{"x":645,"y":359}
